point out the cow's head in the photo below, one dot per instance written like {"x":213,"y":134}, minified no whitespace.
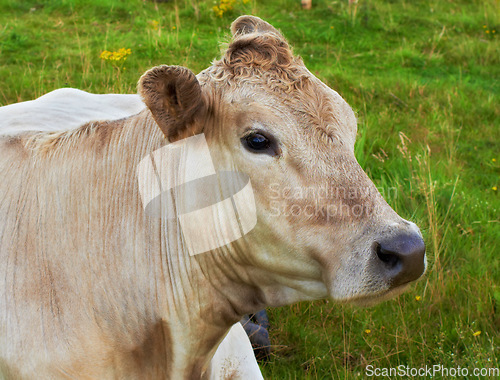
{"x":323,"y":228}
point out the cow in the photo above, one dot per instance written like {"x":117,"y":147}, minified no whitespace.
{"x":93,"y":286}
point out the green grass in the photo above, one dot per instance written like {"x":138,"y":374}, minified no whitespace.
{"x":423,"y":77}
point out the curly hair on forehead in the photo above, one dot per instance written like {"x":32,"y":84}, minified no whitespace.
{"x":261,"y":58}
{"x":257,"y":54}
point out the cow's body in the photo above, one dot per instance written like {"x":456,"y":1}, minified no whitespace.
{"x":69,"y":108}
{"x":93,"y":287}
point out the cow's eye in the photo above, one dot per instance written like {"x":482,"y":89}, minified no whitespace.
{"x":257,"y":142}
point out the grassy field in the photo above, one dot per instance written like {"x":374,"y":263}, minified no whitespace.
{"x":423,"y":77}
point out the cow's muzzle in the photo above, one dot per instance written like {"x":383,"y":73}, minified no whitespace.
{"x":402,"y":258}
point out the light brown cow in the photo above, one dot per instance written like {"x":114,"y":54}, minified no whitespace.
{"x":93,"y":287}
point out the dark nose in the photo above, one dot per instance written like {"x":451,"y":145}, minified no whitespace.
{"x":402,"y":257}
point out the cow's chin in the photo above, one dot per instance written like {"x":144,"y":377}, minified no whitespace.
{"x":369,"y":300}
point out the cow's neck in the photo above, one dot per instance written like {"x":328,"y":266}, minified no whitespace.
{"x":203,"y":298}
{"x":199,"y":297}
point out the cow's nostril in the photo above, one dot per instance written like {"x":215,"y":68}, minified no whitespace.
{"x":388,"y":257}
{"x":403,"y":258}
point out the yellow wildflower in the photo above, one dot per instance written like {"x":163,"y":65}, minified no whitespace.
{"x":418,"y":298}
{"x":494,"y":188}
{"x":105,"y":55}
{"x":368,"y":331}
{"x":477,"y":333}
{"x":224,"y":6}
{"x":119,"y":55}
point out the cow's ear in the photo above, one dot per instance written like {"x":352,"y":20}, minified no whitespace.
{"x":173,"y":94}
{"x":256,"y":44}
{"x":251,"y":24}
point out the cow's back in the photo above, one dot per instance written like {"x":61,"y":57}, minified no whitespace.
{"x":65,"y":109}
